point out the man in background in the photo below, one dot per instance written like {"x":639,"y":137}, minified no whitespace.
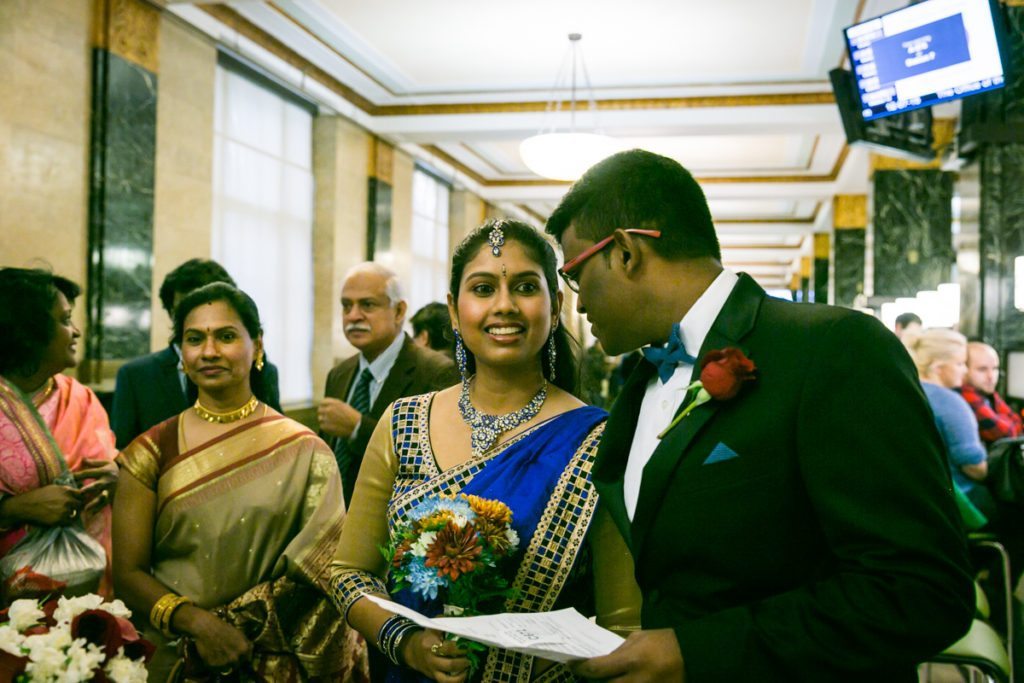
{"x":389,"y":366}
{"x":996,"y":420}
{"x":432,"y":329}
{"x":153,"y":388}
{"x":907,"y":323}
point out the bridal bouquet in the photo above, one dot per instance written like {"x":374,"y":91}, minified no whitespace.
{"x":70,"y":640}
{"x":458,"y":549}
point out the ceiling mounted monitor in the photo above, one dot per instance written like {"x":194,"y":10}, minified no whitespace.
{"x":931,"y":52}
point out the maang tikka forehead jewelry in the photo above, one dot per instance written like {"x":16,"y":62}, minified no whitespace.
{"x":496,"y":238}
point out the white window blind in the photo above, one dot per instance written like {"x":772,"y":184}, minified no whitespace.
{"x":429,"y":244}
{"x":263,"y":217}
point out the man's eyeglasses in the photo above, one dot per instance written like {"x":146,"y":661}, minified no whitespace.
{"x":570,"y":271}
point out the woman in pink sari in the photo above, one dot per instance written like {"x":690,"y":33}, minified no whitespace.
{"x":48,"y":419}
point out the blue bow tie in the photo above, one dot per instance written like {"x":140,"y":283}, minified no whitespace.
{"x":666,"y":358}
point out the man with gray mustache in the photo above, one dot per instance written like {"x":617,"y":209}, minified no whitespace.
{"x":389,"y":366}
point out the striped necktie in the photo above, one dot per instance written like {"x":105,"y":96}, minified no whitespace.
{"x":349,"y":461}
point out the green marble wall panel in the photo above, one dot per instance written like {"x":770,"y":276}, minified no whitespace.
{"x":122,"y":157}
{"x":1001,"y":224}
{"x":378,"y":220}
{"x":913,"y":218}
{"x":849,"y":263}
{"x":820,"y":281}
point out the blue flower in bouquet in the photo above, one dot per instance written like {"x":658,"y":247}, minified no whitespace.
{"x":435,"y":504}
{"x":424,"y":580}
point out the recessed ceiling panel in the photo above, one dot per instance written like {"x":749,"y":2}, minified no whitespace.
{"x":468,"y":45}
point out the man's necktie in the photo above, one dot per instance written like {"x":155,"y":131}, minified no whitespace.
{"x":666,"y":358}
{"x":347,"y":464}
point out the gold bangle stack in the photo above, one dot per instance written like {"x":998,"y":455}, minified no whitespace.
{"x":163,"y":610}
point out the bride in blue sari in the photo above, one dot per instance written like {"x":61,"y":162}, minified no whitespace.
{"x":512,"y":431}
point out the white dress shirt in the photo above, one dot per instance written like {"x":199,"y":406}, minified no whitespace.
{"x":661,"y":401}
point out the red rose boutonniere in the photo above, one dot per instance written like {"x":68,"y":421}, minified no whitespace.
{"x":722,"y":374}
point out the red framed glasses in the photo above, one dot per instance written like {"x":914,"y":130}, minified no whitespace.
{"x":570,"y":271}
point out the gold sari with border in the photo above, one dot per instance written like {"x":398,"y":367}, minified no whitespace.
{"x":246,"y":526}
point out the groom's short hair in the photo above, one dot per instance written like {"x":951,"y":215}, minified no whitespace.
{"x":640,"y":189}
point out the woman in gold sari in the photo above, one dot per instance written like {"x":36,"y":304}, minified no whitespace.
{"x":513,"y":432}
{"x":227,"y":520}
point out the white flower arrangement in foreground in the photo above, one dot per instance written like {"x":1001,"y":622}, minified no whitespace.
{"x":71,"y":640}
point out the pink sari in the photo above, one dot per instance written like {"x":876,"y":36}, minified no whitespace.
{"x":76,"y":427}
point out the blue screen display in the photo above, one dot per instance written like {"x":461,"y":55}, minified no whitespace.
{"x":927,"y":53}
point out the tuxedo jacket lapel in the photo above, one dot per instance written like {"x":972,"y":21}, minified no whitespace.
{"x":613,"y":452}
{"x":734,"y":321}
{"x":173,"y":395}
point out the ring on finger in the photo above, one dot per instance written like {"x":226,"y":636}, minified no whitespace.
{"x":73,"y":514}
{"x":436,"y":648}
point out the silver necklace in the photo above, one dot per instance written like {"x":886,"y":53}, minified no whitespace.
{"x":486,"y":429}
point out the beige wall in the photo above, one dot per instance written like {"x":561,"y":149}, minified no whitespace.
{"x":466,"y":211}
{"x":183,"y":203}
{"x":44,"y":135}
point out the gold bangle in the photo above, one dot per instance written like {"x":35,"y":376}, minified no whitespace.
{"x":163,"y":611}
{"x":169,"y":615}
{"x":156,"y":613}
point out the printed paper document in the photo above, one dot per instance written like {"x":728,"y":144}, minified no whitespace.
{"x":561,"y":636}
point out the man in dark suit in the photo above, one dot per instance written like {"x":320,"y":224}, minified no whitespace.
{"x":153,"y":388}
{"x":389,"y":366}
{"x":803,"y":529}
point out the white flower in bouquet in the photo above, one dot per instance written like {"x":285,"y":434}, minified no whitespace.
{"x":24,"y":614}
{"x":58,"y":656}
{"x":419,"y":548}
{"x":69,"y":608}
{"x":120,"y":669}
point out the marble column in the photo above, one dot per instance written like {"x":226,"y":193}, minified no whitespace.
{"x":820,"y":268}
{"x":379,"y":198}
{"x":1001,"y":224}
{"x":341,"y":154}
{"x":913,"y":238}
{"x":849,"y":220}
{"x":122,"y":157}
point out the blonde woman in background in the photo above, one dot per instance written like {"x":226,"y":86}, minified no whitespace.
{"x":941,"y":359}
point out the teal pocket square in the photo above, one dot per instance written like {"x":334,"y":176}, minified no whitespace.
{"x":719,"y":453}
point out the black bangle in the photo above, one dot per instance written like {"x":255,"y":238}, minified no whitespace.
{"x":391,"y":634}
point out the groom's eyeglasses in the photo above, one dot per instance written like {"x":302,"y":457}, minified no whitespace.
{"x":570,"y":272}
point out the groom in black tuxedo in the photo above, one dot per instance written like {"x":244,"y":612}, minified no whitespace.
{"x":801,"y":530}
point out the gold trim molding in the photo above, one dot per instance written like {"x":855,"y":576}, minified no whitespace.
{"x":822,"y":245}
{"x":382,"y":161}
{"x":850,"y":212}
{"x":129,"y":29}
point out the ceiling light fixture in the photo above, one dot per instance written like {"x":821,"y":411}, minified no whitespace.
{"x":566,"y":155}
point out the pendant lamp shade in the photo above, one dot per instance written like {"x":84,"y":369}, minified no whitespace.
{"x":567,"y":154}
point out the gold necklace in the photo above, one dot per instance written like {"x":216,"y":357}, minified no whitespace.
{"x":40,"y":397}
{"x":231,"y":416}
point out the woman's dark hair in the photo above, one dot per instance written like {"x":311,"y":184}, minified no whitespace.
{"x":541,"y":252}
{"x":26,"y":316}
{"x":241,"y":303}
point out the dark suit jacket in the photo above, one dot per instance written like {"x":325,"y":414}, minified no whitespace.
{"x":148,"y":391}
{"x":830,"y":548}
{"x":416,"y":371}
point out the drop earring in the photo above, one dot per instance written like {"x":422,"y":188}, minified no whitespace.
{"x":460,"y":357}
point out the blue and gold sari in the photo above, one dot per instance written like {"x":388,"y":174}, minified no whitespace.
{"x":542,"y":474}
